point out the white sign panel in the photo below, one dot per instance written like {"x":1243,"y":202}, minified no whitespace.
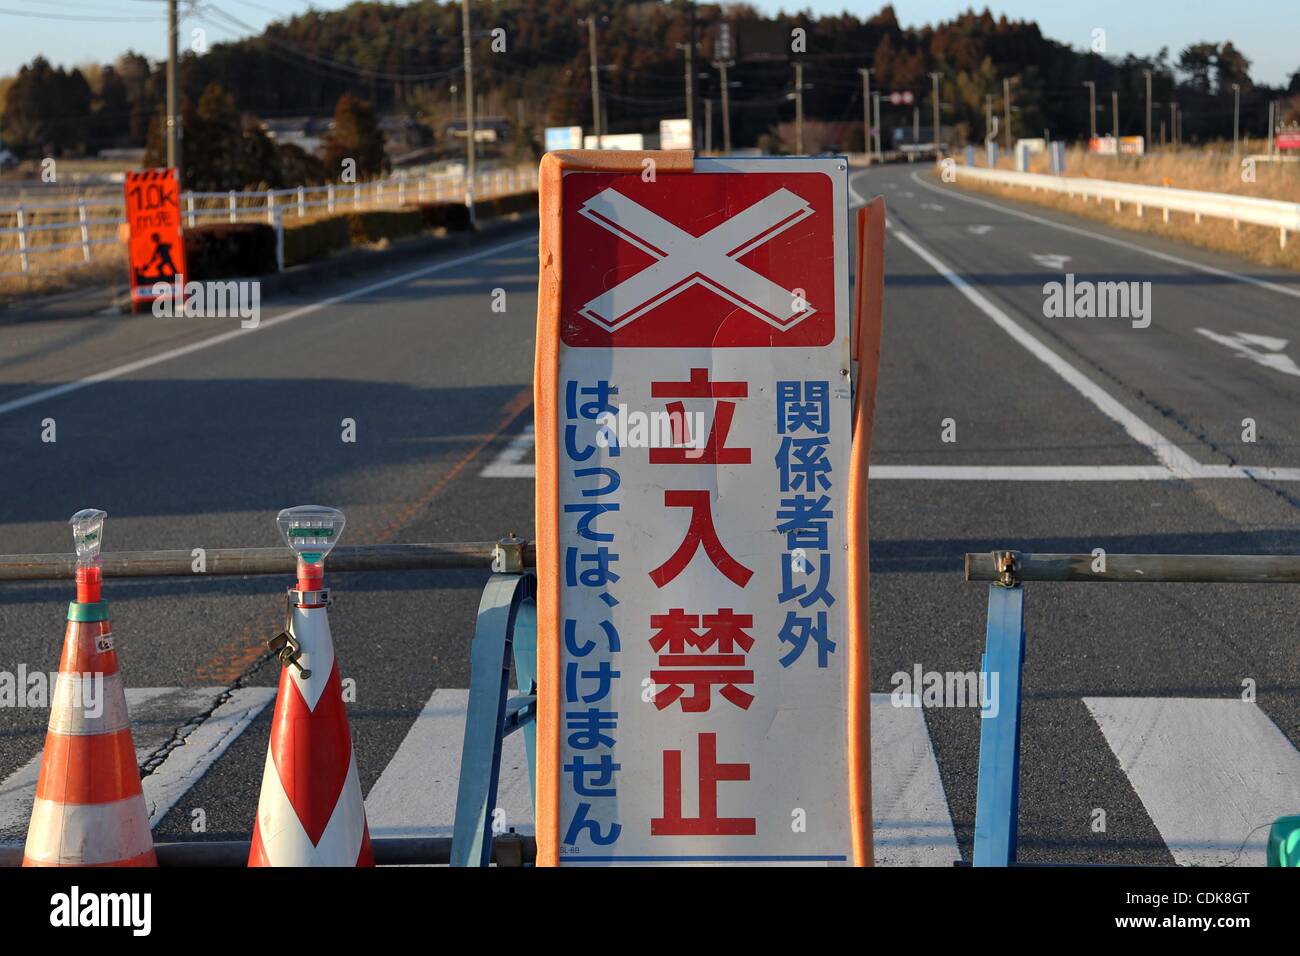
{"x":702,"y":436}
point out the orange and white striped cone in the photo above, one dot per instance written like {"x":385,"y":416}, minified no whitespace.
{"x":310,"y":812}
{"x":89,"y":808}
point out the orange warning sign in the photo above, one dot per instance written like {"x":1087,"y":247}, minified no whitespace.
{"x":153,"y":217}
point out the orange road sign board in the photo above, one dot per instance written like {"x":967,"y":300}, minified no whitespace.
{"x":156,"y":250}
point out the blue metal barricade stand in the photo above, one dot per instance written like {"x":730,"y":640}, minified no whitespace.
{"x":506,"y":629}
{"x":997,"y":801}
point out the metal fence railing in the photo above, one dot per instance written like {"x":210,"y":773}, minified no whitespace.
{"x":45,"y":236}
{"x":1272,"y":213}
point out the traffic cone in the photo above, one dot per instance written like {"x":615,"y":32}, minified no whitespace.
{"x":310,"y":812}
{"x":89,"y":808}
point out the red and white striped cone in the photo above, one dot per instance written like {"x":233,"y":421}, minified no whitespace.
{"x":310,"y":812}
{"x":89,"y":808}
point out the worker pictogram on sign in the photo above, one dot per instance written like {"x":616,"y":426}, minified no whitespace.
{"x":156,"y":251}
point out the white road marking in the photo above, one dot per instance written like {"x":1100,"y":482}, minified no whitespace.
{"x":1121,"y":243}
{"x":155,"y":714}
{"x":187,"y":764}
{"x":1050,"y":260}
{"x":1213,"y":774}
{"x":910,"y":819}
{"x":1171,"y":456}
{"x":298,"y":313}
{"x":510,"y":462}
{"x":979,"y":230}
{"x":1241,"y":342}
{"x":932,"y":206}
{"x":416,"y":793}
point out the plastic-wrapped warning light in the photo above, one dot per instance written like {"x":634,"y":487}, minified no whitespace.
{"x":311,"y":531}
{"x":88,"y":533}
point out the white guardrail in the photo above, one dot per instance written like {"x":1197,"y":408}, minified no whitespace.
{"x":1272,"y":213}
{"x":87,"y":222}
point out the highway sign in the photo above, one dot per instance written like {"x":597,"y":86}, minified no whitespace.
{"x":693,"y":439}
{"x":563,"y":137}
{"x":622,"y":141}
{"x":156,"y":252}
{"x":675,"y":134}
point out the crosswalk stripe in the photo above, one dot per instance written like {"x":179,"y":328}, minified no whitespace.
{"x":911,"y":823}
{"x":416,"y":793}
{"x":155,"y":714}
{"x":1212,"y":774}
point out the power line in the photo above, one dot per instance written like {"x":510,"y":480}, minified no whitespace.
{"x":32,"y":14}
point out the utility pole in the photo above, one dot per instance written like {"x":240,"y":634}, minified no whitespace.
{"x":726,"y":109}
{"x":1236,"y":117}
{"x":875,"y":99}
{"x":1272,"y":126}
{"x":1006,"y":108}
{"x":689,"y":46}
{"x":469,"y":106}
{"x":708,"y":126}
{"x":798,"y":108}
{"x":173,"y":118}
{"x":916,"y":125}
{"x":1114,"y":118}
{"x":1092,"y":109}
{"x":595,"y":79}
{"x":1147,"y":144}
{"x":1173,"y":124}
{"x":722,"y":50}
{"x":866,"y":111}
{"x":934,"y":78}
{"x":988,"y":118}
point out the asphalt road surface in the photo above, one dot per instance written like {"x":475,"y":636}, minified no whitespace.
{"x":1071,"y":434}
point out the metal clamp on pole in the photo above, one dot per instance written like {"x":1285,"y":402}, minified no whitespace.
{"x":508,"y":555}
{"x":1007,"y":565}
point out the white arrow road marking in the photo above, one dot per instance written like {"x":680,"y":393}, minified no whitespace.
{"x":1051,"y":261}
{"x":932,"y":205}
{"x":1241,"y":342}
{"x":909,"y":195}
{"x":686,"y":260}
{"x":510,"y":463}
{"x":979,"y":230}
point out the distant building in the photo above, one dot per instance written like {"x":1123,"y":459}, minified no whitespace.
{"x":305,"y":132}
{"x":487,"y":129}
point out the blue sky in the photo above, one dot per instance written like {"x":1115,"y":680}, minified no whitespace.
{"x":1265,"y":30}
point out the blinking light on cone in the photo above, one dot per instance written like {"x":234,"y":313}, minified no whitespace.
{"x":310,"y":812}
{"x":89,"y":808}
